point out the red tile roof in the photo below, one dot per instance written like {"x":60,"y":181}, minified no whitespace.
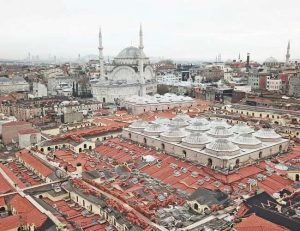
{"x":14,"y":123}
{"x":29,"y":131}
{"x":5,"y":187}
{"x":12,"y":176}
{"x":9,"y":223}
{"x":34,"y":163}
{"x":256,"y":223}
{"x":31,"y":213}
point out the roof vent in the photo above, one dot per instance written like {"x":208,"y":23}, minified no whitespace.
{"x":207,"y":178}
{"x":176,"y":173}
{"x":195,"y":174}
{"x":200,"y":182}
{"x":217,"y":183}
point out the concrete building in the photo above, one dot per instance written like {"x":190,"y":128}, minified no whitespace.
{"x":273,"y":84}
{"x":8,"y":85}
{"x":29,"y":137}
{"x":294,"y":85}
{"x":11,"y":130}
{"x":39,"y":90}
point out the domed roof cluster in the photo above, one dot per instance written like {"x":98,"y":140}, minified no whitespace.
{"x":215,"y":137}
{"x":271,"y":60}
{"x":156,"y":99}
{"x":139,"y":125}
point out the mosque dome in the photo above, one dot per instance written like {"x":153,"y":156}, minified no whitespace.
{"x":267,"y":134}
{"x":246,"y":141}
{"x":174,"y":134}
{"x":222,"y":147}
{"x":241,"y":128}
{"x":196,"y":140}
{"x":271,"y":60}
{"x":220,"y":132}
{"x":183,"y":116}
{"x":130,"y":53}
{"x":138,"y":125}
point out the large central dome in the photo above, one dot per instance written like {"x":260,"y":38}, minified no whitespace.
{"x":130,"y":53}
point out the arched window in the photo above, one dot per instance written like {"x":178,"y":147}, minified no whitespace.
{"x":129,"y":135}
{"x":56,"y":147}
{"x":48,"y":148}
{"x":184,"y":153}
{"x":145,"y":141}
{"x":196,"y":206}
{"x":80,"y":149}
{"x":260,"y":155}
{"x":163,"y":146}
{"x":297,"y":177}
{"x":237,"y":162}
{"x":209,"y":162}
{"x":84,"y":146}
{"x":90,"y":147}
{"x":42,"y":149}
{"x":280,"y":148}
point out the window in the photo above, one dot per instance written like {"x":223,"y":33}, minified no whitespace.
{"x":209,"y":162}
{"x":145,"y":141}
{"x":163,"y":146}
{"x":129,"y":135}
{"x":260,"y":155}
{"x":80,"y":149}
{"x":196,"y":206}
{"x":90,"y":147}
{"x":237,"y":162}
{"x":297,"y":177}
{"x":280,"y":148}
{"x":84,"y":146}
{"x":184,"y":153}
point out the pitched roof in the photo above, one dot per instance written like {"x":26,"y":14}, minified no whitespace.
{"x":35,"y":163}
{"x":257,"y":223}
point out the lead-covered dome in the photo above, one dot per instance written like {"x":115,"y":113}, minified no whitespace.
{"x":161,"y":120}
{"x":154,"y":129}
{"x":221,"y":147}
{"x":217,"y":122}
{"x":198,"y":126}
{"x":247,"y":141}
{"x":220,"y":132}
{"x":196,"y":140}
{"x":130,"y":53}
{"x":267,"y":135}
{"x":179,"y":122}
{"x":241,"y":128}
{"x":174,"y":134}
{"x":138,"y":125}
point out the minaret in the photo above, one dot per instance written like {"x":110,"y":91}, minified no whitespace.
{"x":141,"y":61}
{"x":101,"y":61}
{"x":287,"y":56}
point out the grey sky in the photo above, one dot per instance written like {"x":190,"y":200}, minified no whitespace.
{"x":198,"y":29}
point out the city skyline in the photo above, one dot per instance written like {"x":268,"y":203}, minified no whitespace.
{"x":199,"y":30}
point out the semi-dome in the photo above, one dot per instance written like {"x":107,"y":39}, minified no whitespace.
{"x":198,"y":126}
{"x":241,"y":128}
{"x":267,"y":134}
{"x":196,"y":140}
{"x":246,"y":140}
{"x":220,"y":132}
{"x":154,"y":129}
{"x":138,"y":125}
{"x":174,"y":134}
{"x":222,"y":147}
{"x":130,"y":53}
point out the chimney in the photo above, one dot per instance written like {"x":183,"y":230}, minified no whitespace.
{"x":248,"y":61}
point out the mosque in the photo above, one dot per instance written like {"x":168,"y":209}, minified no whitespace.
{"x":129,"y":74}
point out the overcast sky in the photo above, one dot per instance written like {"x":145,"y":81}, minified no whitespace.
{"x":197,"y":29}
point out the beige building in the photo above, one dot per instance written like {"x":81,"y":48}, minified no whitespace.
{"x":211,"y":143}
{"x":29,"y":137}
